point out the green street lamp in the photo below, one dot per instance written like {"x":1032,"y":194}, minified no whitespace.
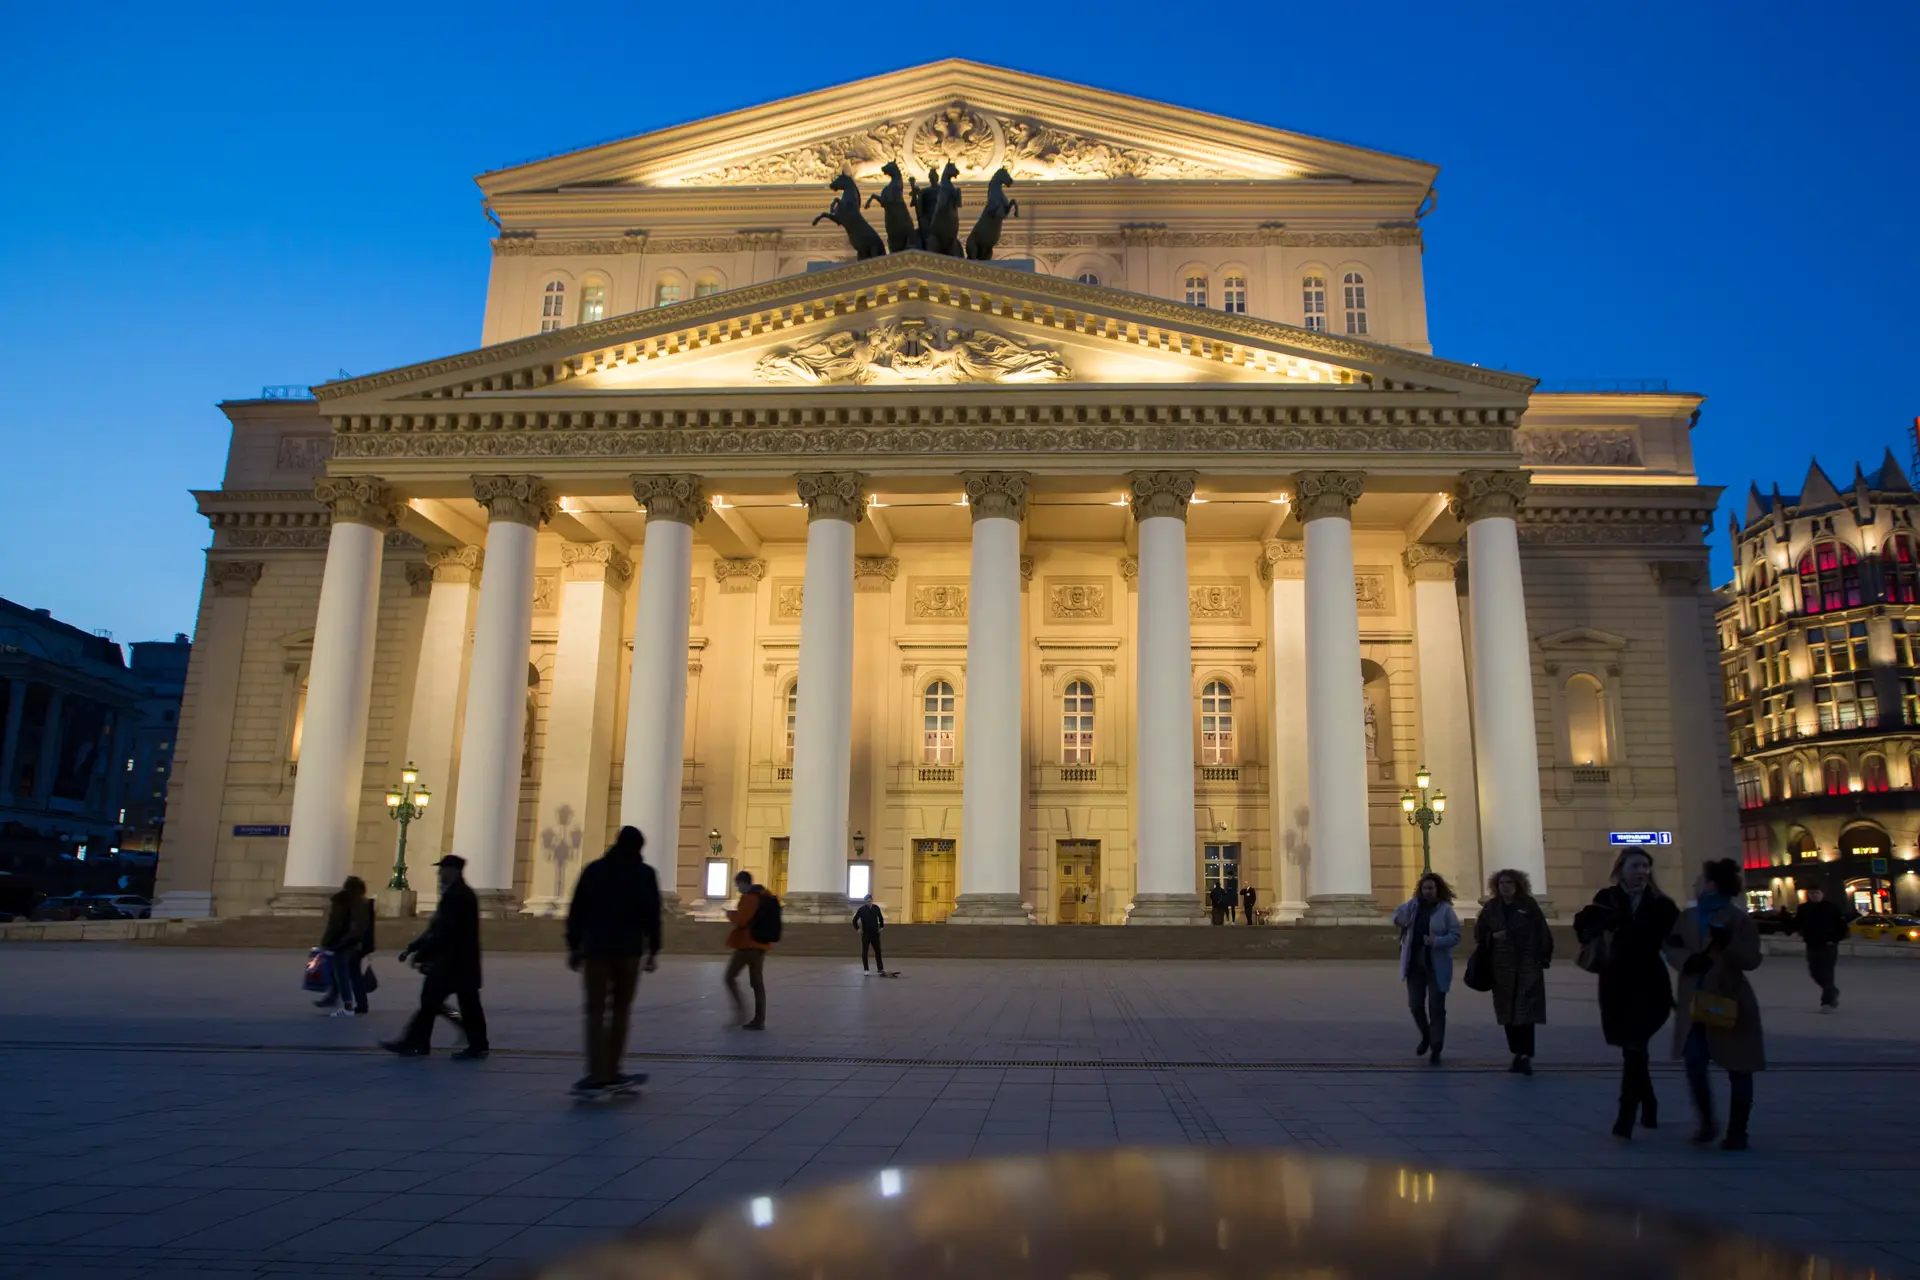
{"x":1425,"y":813}
{"x":405,"y":803}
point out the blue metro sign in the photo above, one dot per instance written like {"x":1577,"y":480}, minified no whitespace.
{"x":1640,"y":837}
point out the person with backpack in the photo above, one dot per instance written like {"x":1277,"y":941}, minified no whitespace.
{"x":870,"y":922}
{"x":613,"y":926}
{"x":756,"y":927}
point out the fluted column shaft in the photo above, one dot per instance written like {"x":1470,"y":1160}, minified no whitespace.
{"x":439,"y":692}
{"x":1446,"y":722}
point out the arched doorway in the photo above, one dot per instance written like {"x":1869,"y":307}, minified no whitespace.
{"x":1865,"y":851}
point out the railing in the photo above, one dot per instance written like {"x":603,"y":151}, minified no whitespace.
{"x":936,"y":773}
{"x":1079,"y":773}
{"x":1592,"y":773}
{"x":287,"y":391}
{"x":1219,"y":773}
{"x":783,"y":773}
{"x":1641,"y":386}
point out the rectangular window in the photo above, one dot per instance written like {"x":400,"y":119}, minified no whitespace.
{"x":718,"y":874}
{"x":593,"y":303}
{"x":859,"y":880}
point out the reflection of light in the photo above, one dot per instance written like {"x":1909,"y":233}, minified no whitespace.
{"x":720,"y":503}
{"x":1120,"y":501}
{"x":873,"y":500}
{"x":1196,"y":502}
{"x":889,"y":1182}
{"x":762,"y":1210}
{"x":1280,"y":501}
{"x":796,"y":504}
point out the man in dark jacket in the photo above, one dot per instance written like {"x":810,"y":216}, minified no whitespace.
{"x":612,"y":925}
{"x":1246,"y":904}
{"x":1822,"y":924}
{"x":870,"y":922}
{"x":449,"y":955}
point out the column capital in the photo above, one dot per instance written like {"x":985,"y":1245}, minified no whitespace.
{"x":996,"y":495}
{"x":419,"y":578}
{"x":1160,"y":493}
{"x":1486,"y":494}
{"x":457,"y":564}
{"x":679,"y":498}
{"x":1281,"y":559}
{"x":595,"y":562}
{"x":831,"y":495}
{"x":358,"y":500}
{"x":1318,"y":495}
{"x":234,"y":577}
{"x":874,"y":573}
{"x":1678,"y":577}
{"x":517,"y":499}
{"x":1428,"y":563}
{"x":738,"y":574}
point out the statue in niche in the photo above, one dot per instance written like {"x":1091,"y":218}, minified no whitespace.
{"x":892,"y":199}
{"x":1000,"y":207}
{"x":1372,"y":727}
{"x":845,"y":213}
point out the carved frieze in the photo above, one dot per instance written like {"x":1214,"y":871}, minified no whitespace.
{"x":513,"y":246}
{"x":909,"y":351}
{"x":1035,"y":151}
{"x":1079,"y":600}
{"x":303,"y":453}
{"x":696,"y":601}
{"x":875,"y":573}
{"x":817,"y":163}
{"x":738,"y":575}
{"x":1585,"y":448}
{"x":1373,"y":588}
{"x":788,"y":596}
{"x":937,"y":599}
{"x":546,"y":594}
{"x":1217,"y":599}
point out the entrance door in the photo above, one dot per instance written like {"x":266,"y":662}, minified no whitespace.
{"x":933,"y":876}
{"x":776,"y":880}
{"x":1222,"y":863}
{"x":1077,"y":879}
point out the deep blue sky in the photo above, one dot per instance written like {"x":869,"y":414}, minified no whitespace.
{"x":200,"y":199}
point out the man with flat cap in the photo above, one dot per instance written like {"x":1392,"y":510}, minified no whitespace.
{"x":448,"y":954}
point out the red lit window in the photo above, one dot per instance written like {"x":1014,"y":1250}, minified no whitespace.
{"x":1755,"y":846}
{"x":1873,"y":774}
{"x":1829,"y":578}
{"x":1899,"y":570}
{"x":1834,"y":777}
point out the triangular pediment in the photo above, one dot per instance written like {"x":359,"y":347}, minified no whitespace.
{"x":981,"y":118}
{"x":919,"y":320}
{"x":1581,"y":638}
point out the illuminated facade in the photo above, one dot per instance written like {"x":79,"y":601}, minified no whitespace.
{"x":1820,"y":662}
{"x":1123,"y":564}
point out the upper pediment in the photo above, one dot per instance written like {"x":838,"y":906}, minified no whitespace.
{"x":980,"y":118}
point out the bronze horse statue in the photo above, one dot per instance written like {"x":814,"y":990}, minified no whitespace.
{"x":986,"y":232}
{"x":899,"y":218}
{"x":923,"y":200}
{"x":943,"y":232}
{"x":845,"y":212}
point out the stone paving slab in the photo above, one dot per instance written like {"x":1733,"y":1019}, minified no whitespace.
{"x":185,"y":1111}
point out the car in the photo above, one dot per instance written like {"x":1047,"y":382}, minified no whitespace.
{"x":67,"y":906}
{"x":130,"y":906}
{"x":1887,"y":928}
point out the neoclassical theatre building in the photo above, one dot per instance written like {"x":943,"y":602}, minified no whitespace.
{"x":1152,"y":552}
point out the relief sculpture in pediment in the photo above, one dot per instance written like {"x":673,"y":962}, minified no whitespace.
{"x":895,"y":351}
{"x":858,"y":154}
{"x":1036,"y":151}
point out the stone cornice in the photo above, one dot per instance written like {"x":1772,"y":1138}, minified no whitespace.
{"x":1629,"y":515}
{"x":1487,"y":495}
{"x":636,"y":242}
{"x":595,"y":562}
{"x":992,"y":495}
{"x":358,"y":500}
{"x":1318,"y":495}
{"x":1428,"y":563}
{"x":832,"y":495}
{"x":681,"y":499}
{"x":1160,"y":493}
{"x":515,"y":498}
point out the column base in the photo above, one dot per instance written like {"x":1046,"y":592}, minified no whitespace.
{"x":395,"y":904}
{"x":543,"y":908}
{"x":712,"y":909}
{"x":176,"y":904}
{"x":301,"y":901}
{"x":830,"y":908}
{"x":1167,"y":909}
{"x":497,"y":904}
{"x":1286,"y":913}
{"x":990,"y":908}
{"x":1342,"y":909}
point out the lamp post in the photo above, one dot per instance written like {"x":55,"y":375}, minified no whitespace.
{"x":1425,"y":812}
{"x":405,"y":803}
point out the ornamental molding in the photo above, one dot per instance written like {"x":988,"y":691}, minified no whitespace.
{"x":1428,"y":563}
{"x":1160,"y":493}
{"x":305,"y":452}
{"x":358,"y":500}
{"x":1583,"y":448}
{"x":996,"y":495}
{"x":1026,"y":572}
{"x":299,"y":539}
{"x":1130,"y":571}
{"x":459,"y":564}
{"x":937,"y":599}
{"x":832,"y":495}
{"x":680,"y":499}
{"x":1217,"y":600}
{"x":516,"y":499}
{"x":1281,"y":560}
{"x":546,"y":594}
{"x":1079,"y":600}
{"x":234,"y":578}
{"x":595,"y":562}
{"x":1484,"y":495}
{"x":910,"y":351}
{"x":738,"y":575}
{"x":1319,"y":495}
{"x":874,"y":574}
{"x":513,"y":246}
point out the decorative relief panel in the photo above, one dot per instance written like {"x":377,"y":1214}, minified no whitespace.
{"x":546,"y":593}
{"x":910,"y":350}
{"x":1373,"y":588}
{"x":1217,"y":599}
{"x":937,"y":599}
{"x":696,"y":602}
{"x":1578,"y":448}
{"x":304,"y":452}
{"x":787,"y":596}
{"x":1079,"y":599}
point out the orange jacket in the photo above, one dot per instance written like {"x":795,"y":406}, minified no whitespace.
{"x":740,"y":937}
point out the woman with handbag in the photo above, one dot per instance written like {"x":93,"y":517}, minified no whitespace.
{"x":348,"y":938}
{"x":1429,"y":931}
{"x":1713,"y":945}
{"x":1622,"y":936}
{"x":1512,"y":932}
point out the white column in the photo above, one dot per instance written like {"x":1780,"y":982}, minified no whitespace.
{"x":492,"y":742}
{"x":1284,"y":565}
{"x":991,"y":798}
{"x":1340,"y":868}
{"x":1167,"y":858}
{"x":1503,"y":724}
{"x":1446,"y":723}
{"x":439,"y":696}
{"x":333,"y":741}
{"x":651,"y":776}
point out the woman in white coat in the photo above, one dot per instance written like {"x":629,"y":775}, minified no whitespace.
{"x":1429,"y":931}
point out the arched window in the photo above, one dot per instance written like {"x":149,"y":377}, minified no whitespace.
{"x":1355,"y":289}
{"x":1913,"y":770}
{"x":1089,"y":277}
{"x":706,"y":287}
{"x":1216,"y":723}
{"x":593,"y":301}
{"x":1873,"y":774}
{"x":936,"y":724}
{"x":1775,"y":784}
{"x":1746,"y":785}
{"x":1196,"y":291}
{"x":1898,"y":571}
{"x":1233,"y":294}
{"x":553,"y":306}
{"x":1835,"y":778}
{"x":1586,"y":702}
{"x":1796,"y":779}
{"x":1829,"y":578}
{"x":792,"y":712}
{"x":1313,"y":302}
{"x":1076,"y":724}
{"x":667,"y":292}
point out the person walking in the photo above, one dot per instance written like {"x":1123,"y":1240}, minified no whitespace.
{"x":1714,"y":945}
{"x":613,"y":929}
{"x":869,"y":921}
{"x":1217,"y":900}
{"x":1624,"y":931}
{"x":1821,"y":925}
{"x":448,"y":954}
{"x":1246,"y":904}
{"x":1519,"y":946}
{"x":1429,"y":931}
{"x":348,"y":939}
{"x":750,"y":947}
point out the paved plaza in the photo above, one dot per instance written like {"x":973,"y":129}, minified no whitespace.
{"x":175,"y":1112}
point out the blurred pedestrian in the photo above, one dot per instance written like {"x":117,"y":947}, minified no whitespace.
{"x":448,"y":954}
{"x":1821,"y":925}
{"x":613,"y":929}
{"x":870,"y":921}
{"x":756,"y":927}
{"x":1623,"y":932}
{"x":1429,"y":931}
{"x":1246,"y":904}
{"x":1519,"y":947}
{"x":1714,"y":945}
{"x":348,"y":940}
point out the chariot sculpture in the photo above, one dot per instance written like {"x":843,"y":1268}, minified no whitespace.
{"x":916,"y":217}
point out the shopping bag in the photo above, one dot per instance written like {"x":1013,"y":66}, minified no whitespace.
{"x":1597,"y":952}
{"x":319,"y":971}
{"x":1710,"y":1010}
{"x":369,"y":983}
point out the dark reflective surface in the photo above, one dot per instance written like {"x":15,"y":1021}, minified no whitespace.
{"x":1184,"y":1215}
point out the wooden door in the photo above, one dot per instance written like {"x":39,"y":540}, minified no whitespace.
{"x":1077,"y":881}
{"x":933,"y":880}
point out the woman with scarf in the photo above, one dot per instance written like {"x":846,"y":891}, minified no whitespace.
{"x":1714,"y":944}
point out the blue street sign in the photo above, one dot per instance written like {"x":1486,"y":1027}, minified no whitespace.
{"x":257,"y":830}
{"x":1640,"y":837}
